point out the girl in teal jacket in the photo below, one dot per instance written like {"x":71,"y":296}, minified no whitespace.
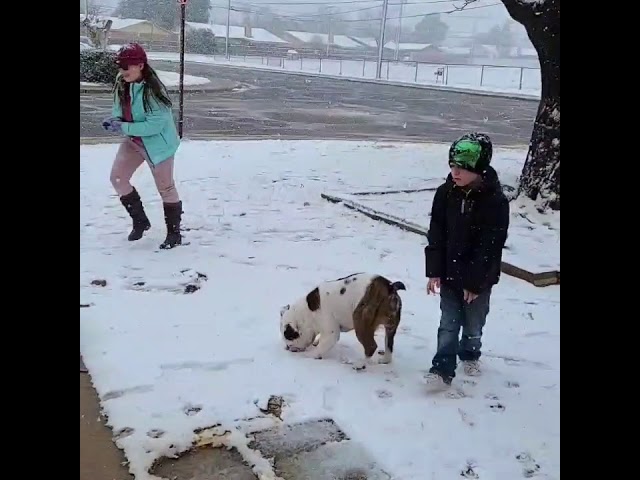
{"x":142,"y":112}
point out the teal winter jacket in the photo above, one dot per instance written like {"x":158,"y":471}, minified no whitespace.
{"x":156,"y":128}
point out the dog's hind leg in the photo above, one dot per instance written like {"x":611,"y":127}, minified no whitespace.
{"x":327,"y":341}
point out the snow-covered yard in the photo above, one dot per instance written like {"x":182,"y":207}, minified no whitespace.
{"x":170,"y":79}
{"x":165,"y":363}
{"x":534,"y":239}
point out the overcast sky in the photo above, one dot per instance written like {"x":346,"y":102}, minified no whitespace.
{"x":492,"y":11}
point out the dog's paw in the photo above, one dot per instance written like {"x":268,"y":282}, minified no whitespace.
{"x":384,"y":358}
{"x":313,"y":354}
{"x":293,"y":349}
{"x":363,"y":364}
{"x":359,"y":366}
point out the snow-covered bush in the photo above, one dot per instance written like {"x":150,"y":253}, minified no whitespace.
{"x":98,"y":67}
{"x":200,"y":41}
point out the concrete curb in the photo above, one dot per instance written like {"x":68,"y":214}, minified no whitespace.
{"x":206,"y":88}
{"x":468,"y":91}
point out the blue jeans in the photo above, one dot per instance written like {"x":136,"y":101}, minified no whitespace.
{"x":457,"y":314}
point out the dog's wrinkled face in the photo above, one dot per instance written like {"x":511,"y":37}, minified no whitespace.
{"x":293,"y":328}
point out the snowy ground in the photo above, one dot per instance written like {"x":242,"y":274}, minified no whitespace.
{"x":534,"y":240}
{"x":170,"y":79}
{"x":524,"y":81}
{"x":165,"y":363}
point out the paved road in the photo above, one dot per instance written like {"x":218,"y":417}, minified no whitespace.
{"x":293,"y":106}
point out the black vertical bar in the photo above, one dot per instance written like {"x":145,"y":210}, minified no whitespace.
{"x":183,"y":8}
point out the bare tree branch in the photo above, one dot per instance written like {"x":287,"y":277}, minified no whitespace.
{"x":519,"y":9}
{"x":464,"y":4}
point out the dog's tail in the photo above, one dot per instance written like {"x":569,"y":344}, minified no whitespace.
{"x":398,"y":286}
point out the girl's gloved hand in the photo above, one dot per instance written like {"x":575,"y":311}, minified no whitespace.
{"x":112,"y":124}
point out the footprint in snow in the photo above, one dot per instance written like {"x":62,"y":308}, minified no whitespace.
{"x":468,"y":471}
{"x":155,"y":433}
{"x":123,"y":433}
{"x":384,"y":394}
{"x":530,"y":468}
{"x":191,"y":410}
{"x":456,"y":393}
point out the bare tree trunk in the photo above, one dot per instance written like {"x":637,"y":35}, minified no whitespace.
{"x":540,"y":178}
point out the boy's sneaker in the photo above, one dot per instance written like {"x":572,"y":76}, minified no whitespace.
{"x":436,"y":382}
{"x":471,"y":368}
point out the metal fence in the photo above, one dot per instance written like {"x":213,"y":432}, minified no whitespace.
{"x":490,"y":77}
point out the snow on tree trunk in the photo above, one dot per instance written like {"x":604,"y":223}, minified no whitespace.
{"x":540,"y":178}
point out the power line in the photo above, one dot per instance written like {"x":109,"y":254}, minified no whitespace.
{"x":298,"y":16}
{"x":305,"y":17}
{"x":350,"y":2}
{"x":346,"y":2}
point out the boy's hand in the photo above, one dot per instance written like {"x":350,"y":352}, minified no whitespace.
{"x":432,"y":285}
{"x":469,"y":296}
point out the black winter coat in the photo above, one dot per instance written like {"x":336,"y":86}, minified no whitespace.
{"x":467,"y":233}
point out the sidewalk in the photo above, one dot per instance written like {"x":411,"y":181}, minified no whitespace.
{"x":100,"y":459}
{"x":215,"y":85}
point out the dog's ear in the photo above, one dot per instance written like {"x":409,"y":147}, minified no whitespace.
{"x":290,"y":334}
{"x":284,"y":309}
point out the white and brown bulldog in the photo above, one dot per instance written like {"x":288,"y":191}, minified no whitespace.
{"x":360,"y":302}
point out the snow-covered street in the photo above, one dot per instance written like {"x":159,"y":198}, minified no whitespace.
{"x":489,"y":79}
{"x":167,"y":363}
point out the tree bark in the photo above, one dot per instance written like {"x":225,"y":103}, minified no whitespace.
{"x":540,"y":178}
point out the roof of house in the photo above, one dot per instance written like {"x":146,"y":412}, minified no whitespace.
{"x":259,"y":35}
{"x":369,"y":42}
{"x":407,"y":46}
{"x":322,"y":38}
{"x":122,"y":23}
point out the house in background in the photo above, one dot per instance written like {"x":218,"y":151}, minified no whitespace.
{"x":419,"y":52}
{"x":244,"y":40}
{"x":320,"y":44}
{"x":145,"y":32}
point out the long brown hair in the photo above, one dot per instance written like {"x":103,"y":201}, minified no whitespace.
{"x":153,"y":87}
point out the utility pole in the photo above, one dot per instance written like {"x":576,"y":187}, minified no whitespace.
{"x":383,"y":24}
{"x":328,"y":30}
{"x":183,"y":15}
{"x":396,"y":55}
{"x":226,"y":43}
{"x":86,"y":8}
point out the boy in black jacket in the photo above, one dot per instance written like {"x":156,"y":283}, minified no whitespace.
{"x":468,"y":230}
